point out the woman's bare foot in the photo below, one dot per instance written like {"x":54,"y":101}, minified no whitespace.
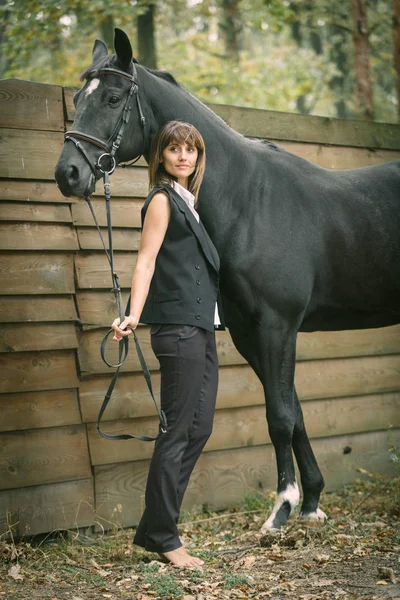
{"x":180,"y":558}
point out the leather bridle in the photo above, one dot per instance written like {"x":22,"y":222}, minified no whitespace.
{"x":110,"y":148}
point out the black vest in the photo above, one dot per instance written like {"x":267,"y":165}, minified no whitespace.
{"x":184,"y":287}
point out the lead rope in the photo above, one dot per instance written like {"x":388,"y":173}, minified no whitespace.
{"x":123,"y":348}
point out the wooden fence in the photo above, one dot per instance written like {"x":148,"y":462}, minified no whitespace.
{"x":56,"y":472}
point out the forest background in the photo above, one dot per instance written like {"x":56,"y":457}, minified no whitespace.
{"x":322,"y":57}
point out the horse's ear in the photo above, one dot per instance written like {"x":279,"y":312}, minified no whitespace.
{"x":99,"y":51}
{"x":123,"y":48}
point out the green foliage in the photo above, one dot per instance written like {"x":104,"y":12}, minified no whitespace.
{"x":295,"y":56}
{"x":232,"y":580}
{"x":163,"y":584}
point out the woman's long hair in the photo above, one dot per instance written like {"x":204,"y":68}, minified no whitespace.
{"x":176,"y":132}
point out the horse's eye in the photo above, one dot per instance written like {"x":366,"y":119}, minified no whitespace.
{"x":114,"y":99}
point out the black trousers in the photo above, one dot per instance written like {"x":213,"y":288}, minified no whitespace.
{"x":189,"y":381}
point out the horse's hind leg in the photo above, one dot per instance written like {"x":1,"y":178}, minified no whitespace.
{"x":272,"y":355}
{"x":312,"y":481}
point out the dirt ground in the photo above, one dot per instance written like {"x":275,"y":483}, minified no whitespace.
{"x":354,"y":555}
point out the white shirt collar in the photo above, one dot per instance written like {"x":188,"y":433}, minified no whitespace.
{"x":184,"y":193}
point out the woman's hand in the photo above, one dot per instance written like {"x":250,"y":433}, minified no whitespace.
{"x":121,"y":328}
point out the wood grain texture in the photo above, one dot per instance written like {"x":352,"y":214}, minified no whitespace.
{"x":286,"y":126}
{"x":34,"y":410}
{"x":39,"y":273}
{"x":93,"y":270}
{"x":123,"y":239}
{"x":28,"y":154}
{"x":339,"y":157}
{"x":90,"y":360}
{"x":30,"y":105}
{"x":310,"y":346}
{"x":132,"y":182}
{"x":223,"y":478}
{"x":24,"y":309}
{"x":98,"y":308}
{"x":44,"y":508}
{"x":37,"y":236}
{"x":34,"y":371}
{"x":125,"y":212}
{"x":32,"y":191}
{"x":247,"y":426}
{"x":22,"y":337}
{"x":39,"y":456}
{"x":239,"y":386}
{"x":276,"y":125}
{"x":35,"y":212}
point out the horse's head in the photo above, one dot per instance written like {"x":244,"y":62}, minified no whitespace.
{"x":108,"y":120}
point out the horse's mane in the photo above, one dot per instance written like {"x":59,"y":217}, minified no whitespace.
{"x":109,"y":61}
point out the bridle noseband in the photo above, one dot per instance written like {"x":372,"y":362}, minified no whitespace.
{"x":110,"y":148}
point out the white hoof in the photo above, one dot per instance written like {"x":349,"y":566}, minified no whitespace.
{"x":317,"y":516}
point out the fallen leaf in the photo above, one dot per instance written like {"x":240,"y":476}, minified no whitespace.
{"x":14,"y":573}
{"x":249,"y":561}
{"x":387,"y":573}
{"x":322,"y":558}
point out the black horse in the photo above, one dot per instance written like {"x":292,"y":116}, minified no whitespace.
{"x":302,"y":248}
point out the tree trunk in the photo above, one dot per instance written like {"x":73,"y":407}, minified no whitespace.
{"x":3,"y":24}
{"x":107,"y":32}
{"x":339,"y":55}
{"x":232,"y":28}
{"x":146,"y":38}
{"x":396,"y":51}
{"x":364,"y":105}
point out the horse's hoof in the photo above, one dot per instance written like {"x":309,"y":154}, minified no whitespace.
{"x":317,"y":517}
{"x":268,"y":528}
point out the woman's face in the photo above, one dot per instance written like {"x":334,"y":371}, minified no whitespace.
{"x":180,"y":160}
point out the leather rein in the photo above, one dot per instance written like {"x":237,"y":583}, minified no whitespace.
{"x":110,"y":148}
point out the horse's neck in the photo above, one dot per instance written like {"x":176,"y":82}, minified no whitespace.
{"x":168,"y":102}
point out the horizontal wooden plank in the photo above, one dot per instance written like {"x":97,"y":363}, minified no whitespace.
{"x":98,"y":308}
{"x":242,"y":427}
{"x":23,"y":337}
{"x":44,"y":508}
{"x":31,"y":105}
{"x":223,"y":478}
{"x":357,"y":342}
{"x":32,"y":191}
{"x":34,"y":371}
{"x":276,"y":125}
{"x":23,"y":309}
{"x":90,"y":360}
{"x":319,"y":345}
{"x":270,"y":124}
{"x":123,"y":239}
{"x":339,"y":157}
{"x":35,"y":212}
{"x":125,"y":212}
{"x":239,"y":386}
{"x":131,"y":182}
{"x":34,"y":410}
{"x":39,"y":456}
{"x":37,"y":236}
{"x":29,"y":154}
{"x":93,"y":269}
{"x":35,"y":273}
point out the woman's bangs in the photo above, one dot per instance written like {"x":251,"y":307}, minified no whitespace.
{"x":182,"y":134}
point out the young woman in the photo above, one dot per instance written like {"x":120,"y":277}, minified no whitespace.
{"x":175,"y":288}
